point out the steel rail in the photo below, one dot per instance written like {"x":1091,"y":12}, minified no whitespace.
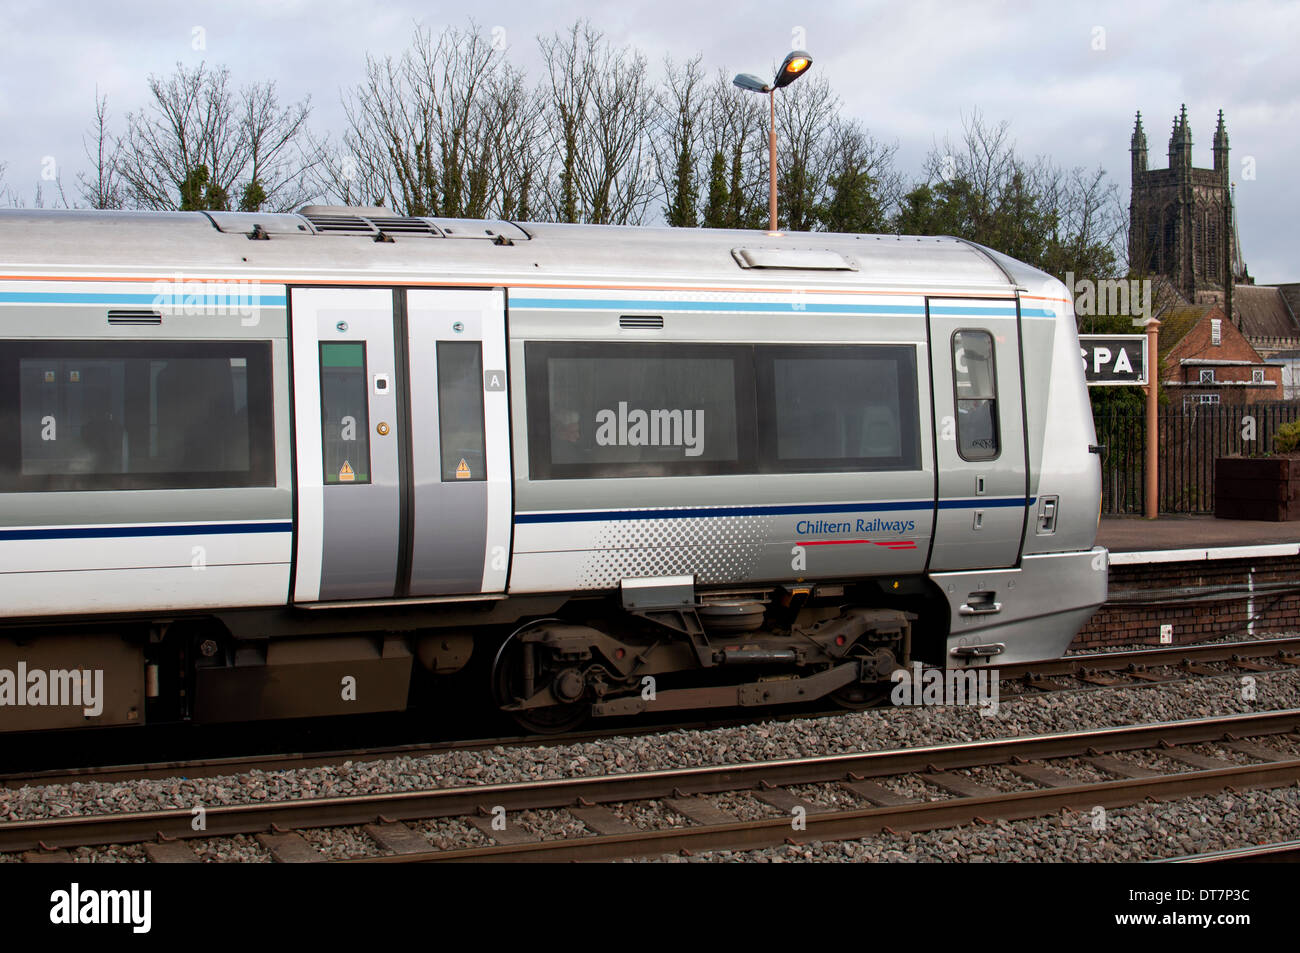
{"x":853,"y":825}
{"x":224,"y":820}
{"x":1277,"y":649}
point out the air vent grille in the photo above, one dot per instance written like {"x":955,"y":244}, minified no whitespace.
{"x":134,"y":317}
{"x":641,"y":321}
{"x":341,"y":224}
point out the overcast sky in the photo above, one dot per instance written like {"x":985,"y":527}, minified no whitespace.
{"x":1068,"y":77}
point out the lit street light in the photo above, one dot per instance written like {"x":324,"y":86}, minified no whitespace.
{"x":795,"y":65}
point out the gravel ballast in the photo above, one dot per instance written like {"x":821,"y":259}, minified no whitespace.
{"x":858,"y":731}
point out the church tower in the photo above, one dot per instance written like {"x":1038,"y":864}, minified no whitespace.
{"x":1181,"y":220}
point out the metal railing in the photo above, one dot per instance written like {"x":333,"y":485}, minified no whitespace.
{"x":1191,"y":438}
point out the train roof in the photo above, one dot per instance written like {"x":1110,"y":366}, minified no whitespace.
{"x":321,"y":241}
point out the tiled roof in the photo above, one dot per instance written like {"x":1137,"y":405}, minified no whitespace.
{"x":1261,"y":311}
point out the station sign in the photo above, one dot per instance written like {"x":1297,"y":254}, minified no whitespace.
{"x":1114,"y":359}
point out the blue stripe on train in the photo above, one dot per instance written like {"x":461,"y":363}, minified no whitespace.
{"x":169,"y":300}
{"x":794,"y":510}
{"x":120,"y":532}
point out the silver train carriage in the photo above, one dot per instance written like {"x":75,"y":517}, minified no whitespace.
{"x":279,"y":465}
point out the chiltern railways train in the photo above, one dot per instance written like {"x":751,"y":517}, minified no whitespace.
{"x":274,"y":465}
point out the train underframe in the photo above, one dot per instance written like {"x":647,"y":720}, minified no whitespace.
{"x":554,"y":661}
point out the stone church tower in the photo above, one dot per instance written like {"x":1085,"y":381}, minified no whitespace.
{"x":1182,"y":225}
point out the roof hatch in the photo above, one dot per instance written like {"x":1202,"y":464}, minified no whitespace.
{"x":794,"y":259}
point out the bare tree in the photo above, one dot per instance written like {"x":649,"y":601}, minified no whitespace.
{"x":102,"y":189}
{"x":446,"y":129}
{"x":805,"y":118}
{"x":863,"y":187}
{"x":981,"y":189}
{"x":735,"y":142}
{"x":198,"y":144}
{"x":677,"y":140}
{"x":599,"y":116}
{"x":279,"y":164}
{"x":7,"y":197}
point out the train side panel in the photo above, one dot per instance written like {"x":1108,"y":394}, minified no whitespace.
{"x":649,"y":443}
{"x":145,"y":458}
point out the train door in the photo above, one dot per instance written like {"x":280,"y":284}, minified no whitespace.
{"x":401,"y":440}
{"x":980,"y":431}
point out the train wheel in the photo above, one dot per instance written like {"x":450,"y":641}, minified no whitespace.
{"x":859,"y":697}
{"x":508,"y":686}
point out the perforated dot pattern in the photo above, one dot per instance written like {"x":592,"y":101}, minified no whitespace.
{"x":714,"y":550}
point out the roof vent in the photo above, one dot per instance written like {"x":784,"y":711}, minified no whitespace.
{"x":794,"y":259}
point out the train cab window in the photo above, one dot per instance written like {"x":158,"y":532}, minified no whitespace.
{"x":975,"y":384}
{"x":345,"y":413}
{"x":626,"y":410}
{"x":105,"y":415}
{"x":460,"y":410}
{"x":832,"y":408}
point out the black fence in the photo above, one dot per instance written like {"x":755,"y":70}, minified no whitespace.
{"x":1191,"y":437}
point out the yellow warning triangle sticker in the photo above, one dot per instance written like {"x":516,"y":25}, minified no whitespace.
{"x":462,"y":470}
{"x":345,"y":473}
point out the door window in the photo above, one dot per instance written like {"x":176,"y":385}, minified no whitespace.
{"x":975,"y":383}
{"x":345,"y":413}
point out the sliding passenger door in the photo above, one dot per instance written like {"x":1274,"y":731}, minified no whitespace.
{"x":347,"y":427}
{"x":460,"y":417}
{"x":402,"y":442}
{"x":980,"y":430}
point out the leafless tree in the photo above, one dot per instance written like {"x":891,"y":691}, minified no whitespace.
{"x":863,"y":187}
{"x":199,"y":143}
{"x":599,"y":117}
{"x":102,"y":189}
{"x":735,"y":141}
{"x":678,"y":134}
{"x":805,"y":119}
{"x":448,"y":128}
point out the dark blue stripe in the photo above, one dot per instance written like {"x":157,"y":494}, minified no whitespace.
{"x":800,"y":510}
{"x":119,"y":532}
{"x":984,"y":504}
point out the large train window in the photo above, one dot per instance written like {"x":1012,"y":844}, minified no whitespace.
{"x":975,"y":384}
{"x":112,"y":415}
{"x":836,"y":408}
{"x":623,"y":410}
{"x":460,"y":410}
{"x":344,"y":413}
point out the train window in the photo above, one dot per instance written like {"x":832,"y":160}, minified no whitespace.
{"x":975,"y":383}
{"x":828,"y":408}
{"x":460,"y":410}
{"x":344,"y":412}
{"x":624,"y":410}
{"x":106,"y":415}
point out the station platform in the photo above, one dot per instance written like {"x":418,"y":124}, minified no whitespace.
{"x":1184,"y":579}
{"x":1178,"y":538}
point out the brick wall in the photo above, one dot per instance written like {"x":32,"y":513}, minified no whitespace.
{"x":1117,"y":623}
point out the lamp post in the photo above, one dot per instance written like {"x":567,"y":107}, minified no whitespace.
{"x":796,"y":63}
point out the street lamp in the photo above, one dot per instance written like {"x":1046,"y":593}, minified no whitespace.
{"x":796,"y":63}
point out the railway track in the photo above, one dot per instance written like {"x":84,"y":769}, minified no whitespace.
{"x":494,"y":809}
{"x":1072,"y":673}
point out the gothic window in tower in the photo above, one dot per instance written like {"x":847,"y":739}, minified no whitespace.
{"x":1200,"y":245}
{"x":1213,"y":247}
{"x":1169,"y":248}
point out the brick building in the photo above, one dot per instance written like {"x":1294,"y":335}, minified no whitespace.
{"x":1204,"y":358}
